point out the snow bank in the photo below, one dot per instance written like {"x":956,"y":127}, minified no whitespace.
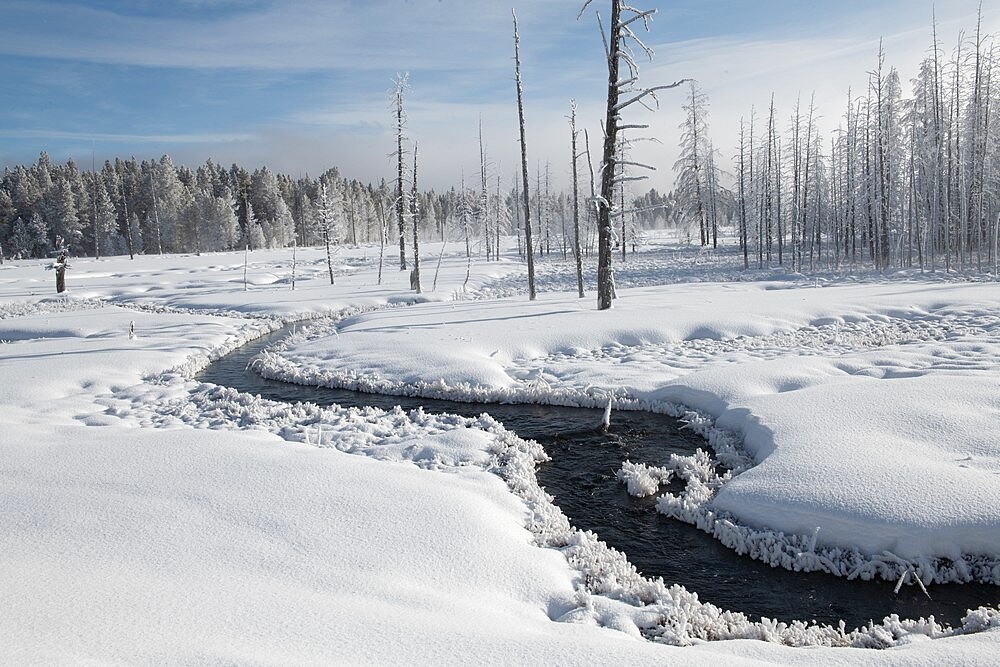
{"x":157,"y":520}
{"x":868,"y":409}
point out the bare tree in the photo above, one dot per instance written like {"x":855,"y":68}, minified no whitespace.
{"x":576,"y":200}
{"x":383,"y":233}
{"x":484,"y":201}
{"x":414,"y":212}
{"x":743,"y":195}
{"x":618,"y":47}
{"x":593,"y":210}
{"x":401,"y":85}
{"x":691,"y":187}
{"x":524,"y":164}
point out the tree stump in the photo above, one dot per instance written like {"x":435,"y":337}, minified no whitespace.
{"x":61,"y":273}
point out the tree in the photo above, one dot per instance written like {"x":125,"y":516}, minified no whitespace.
{"x":401,"y":85}
{"x":62,"y":218}
{"x":273,"y":214}
{"x":484,"y":200}
{"x":254,"y":233}
{"x":529,"y":251}
{"x":7,"y":216}
{"x":115,"y":185}
{"x":170,"y":198}
{"x":692,"y":165}
{"x":466,"y":211}
{"x":618,"y":48}
{"x":21,"y":242}
{"x":414,"y":213}
{"x":106,"y":237}
{"x":329,"y":216}
{"x":214,"y":222}
{"x":576,"y":200}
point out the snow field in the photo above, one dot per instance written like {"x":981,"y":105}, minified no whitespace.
{"x":868,"y":409}
{"x":133,"y":537}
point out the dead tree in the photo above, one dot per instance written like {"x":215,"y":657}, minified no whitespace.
{"x":618,"y":47}
{"x":414,"y":212}
{"x":483,"y":209}
{"x":524,"y":165}
{"x":576,"y":200}
{"x":60,"y":266}
{"x":401,"y":84}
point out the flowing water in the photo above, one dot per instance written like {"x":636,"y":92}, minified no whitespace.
{"x":581,"y":477}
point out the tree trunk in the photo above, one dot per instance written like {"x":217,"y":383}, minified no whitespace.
{"x":524,"y":166}
{"x":576,"y":203}
{"x":415,"y":274}
{"x":605,"y":275}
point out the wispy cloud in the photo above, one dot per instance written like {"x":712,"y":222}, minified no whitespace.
{"x":104,"y":138}
{"x":301,"y":85}
{"x":297,"y":34}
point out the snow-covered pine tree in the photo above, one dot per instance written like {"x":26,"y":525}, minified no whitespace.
{"x":61,"y":216}
{"x":329,"y":209}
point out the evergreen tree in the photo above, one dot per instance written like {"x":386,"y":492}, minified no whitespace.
{"x":61,"y":218}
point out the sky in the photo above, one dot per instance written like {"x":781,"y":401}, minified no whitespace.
{"x":304,"y":85}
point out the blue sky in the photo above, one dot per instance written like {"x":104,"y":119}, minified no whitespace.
{"x":302,"y":85}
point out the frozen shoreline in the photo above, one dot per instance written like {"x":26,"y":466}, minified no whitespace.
{"x":558,"y":372}
{"x":796,"y":552}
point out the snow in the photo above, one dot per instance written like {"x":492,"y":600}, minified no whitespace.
{"x":150,"y":518}
{"x":869,"y":410}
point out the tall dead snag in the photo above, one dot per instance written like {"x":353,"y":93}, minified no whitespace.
{"x":484,"y":199}
{"x":618,"y":47}
{"x":576,"y":200}
{"x":415,"y":213}
{"x":401,"y":84}
{"x":743,"y":198}
{"x":529,"y":252}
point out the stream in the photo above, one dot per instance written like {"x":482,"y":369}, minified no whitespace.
{"x":581,"y":477}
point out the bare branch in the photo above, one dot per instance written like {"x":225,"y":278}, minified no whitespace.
{"x":633,"y":67}
{"x":648,"y":51}
{"x":647,"y":107}
{"x":604,"y":37}
{"x":627,"y":163}
{"x":650,"y":139}
{"x":639,"y":16}
{"x":647,"y":92}
{"x":627,"y":179}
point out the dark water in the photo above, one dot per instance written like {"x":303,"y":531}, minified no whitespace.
{"x":581,"y":476}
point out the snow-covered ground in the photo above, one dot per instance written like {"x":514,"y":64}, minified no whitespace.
{"x":149,"y":518}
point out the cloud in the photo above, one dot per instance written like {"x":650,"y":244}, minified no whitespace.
{"x":738,"y":72}
{"x":293,"y":35}
{"x":105,"y":138}
{"x":302,"y":85}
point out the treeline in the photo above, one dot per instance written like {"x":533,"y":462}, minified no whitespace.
{"x":902,"y":182}
{"x":155,"y":206}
